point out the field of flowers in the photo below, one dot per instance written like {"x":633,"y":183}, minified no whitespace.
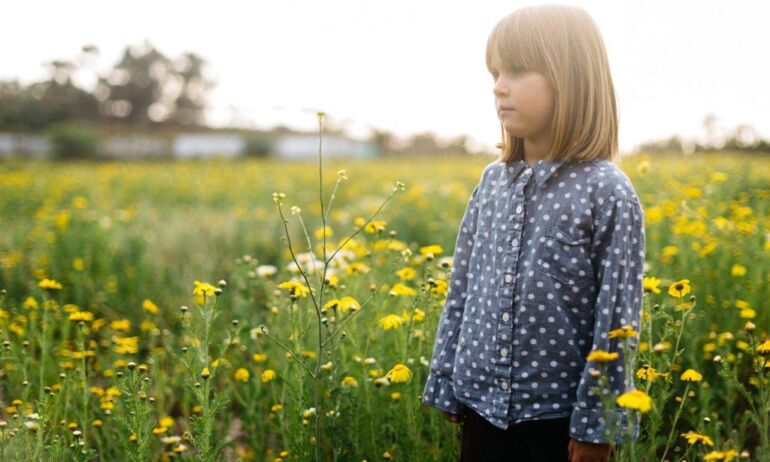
{"x":154,"y":311}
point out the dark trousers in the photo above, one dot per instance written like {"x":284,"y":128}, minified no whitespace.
{"x":529,"y":441}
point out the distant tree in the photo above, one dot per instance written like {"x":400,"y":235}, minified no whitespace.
{"x":147,"y":88}
{"x":671,"y":144}
{"x":383,"y":139}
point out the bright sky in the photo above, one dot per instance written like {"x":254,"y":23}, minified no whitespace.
{"x":412,"y":66}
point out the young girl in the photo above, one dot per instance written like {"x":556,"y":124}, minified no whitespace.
{"x":548,"y":258}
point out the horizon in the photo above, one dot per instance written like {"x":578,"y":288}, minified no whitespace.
{"x":265,"y":86}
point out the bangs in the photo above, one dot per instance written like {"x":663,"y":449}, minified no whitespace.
{"x":517,"y":43}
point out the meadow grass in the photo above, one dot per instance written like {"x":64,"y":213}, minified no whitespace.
{"x":154,"y":310}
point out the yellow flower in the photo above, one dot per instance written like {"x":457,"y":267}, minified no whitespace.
{"x":268,"y":375}
{"x":399,"y":373}
{"x":727,"y":456}
{"x":764,"y":348}
{"x":296,"y":289}
{"x":400,"y":289}
{"x":150,"y":307}
{"x":375,"y":226}
{"x":650,"y":374}
{"x":601,"y":356}
{"x":349,"y":381}
{"x":121,"y":324}
{"x":623,"y":332}
{"x":738,"y":270}
{"x":439,"y":287}
{"x":390,"y":322}
{"x":259,"y":357}
{"x":635,"y":399}
{"x":159,"y":430}
{"x":406,"y":274}
{"x":431,"y":250}
{"x":357,"y":268}
{"x":679,"y":288}
{"x":30,"y":303}
{"x":202,"y":291}
{"x":205,"y":373}
{"x":343,"y":304}
{"x":242,"y":375}
{"x":747,"y":313}
{"x":395,"y":396}
{"x":651,"y":284}
{"x":85,"y":316}
{"x":691,"y":375}
{"x":693,"y":438}
{"x":167,"y":422}
{"x":49,"y":284}
{"x":319,"y":233}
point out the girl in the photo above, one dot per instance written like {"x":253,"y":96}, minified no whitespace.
{"x":548,"y":259}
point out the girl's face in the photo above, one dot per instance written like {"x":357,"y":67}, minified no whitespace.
{"x":524,"y":100}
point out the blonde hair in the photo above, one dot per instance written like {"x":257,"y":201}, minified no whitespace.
{"x":564,"y":45}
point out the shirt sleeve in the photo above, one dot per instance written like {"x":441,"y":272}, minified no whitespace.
{"x":618,"y":253}
{"x":438,"y":390}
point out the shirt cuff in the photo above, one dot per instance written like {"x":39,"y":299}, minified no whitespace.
{"x":589,"y":426}
{"x":439,"y":393}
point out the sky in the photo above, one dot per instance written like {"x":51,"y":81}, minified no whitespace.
{"x":411,"y":66}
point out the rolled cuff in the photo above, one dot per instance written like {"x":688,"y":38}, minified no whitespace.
{"x":590,"y":426}
{"x":439,"y":393}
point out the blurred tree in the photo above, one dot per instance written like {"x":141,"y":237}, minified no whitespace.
{"x":146,"y":88}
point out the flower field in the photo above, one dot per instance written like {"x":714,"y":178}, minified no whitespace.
{"x":154,"y":311}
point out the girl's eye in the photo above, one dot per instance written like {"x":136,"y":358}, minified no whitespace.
{"x":517,"y":69}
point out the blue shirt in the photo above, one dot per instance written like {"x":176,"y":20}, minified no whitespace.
{"x":549,"y":258}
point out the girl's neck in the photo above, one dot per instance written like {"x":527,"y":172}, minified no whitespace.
{"x":536,"y":149}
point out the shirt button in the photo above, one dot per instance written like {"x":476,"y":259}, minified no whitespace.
{"x":515,"y":242}
{"x":518,"y":209}
{"x":505,"y":317}
{"x":503,"y":352}
{"x":508,"y":278}
{"x":504,"y":384}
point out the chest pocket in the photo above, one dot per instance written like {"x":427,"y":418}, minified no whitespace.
{"x":566,"y":256}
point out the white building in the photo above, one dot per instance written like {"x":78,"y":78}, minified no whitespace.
{"x":305,"y":146}
{"x":187,"y":145}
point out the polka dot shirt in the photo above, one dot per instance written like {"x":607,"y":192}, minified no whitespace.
{"x":548,"y":259}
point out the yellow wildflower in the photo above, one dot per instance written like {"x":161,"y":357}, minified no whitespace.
{"x":601,"y":356}
{"x":764,"y":348}
{"x":242,"y":375}
{"x":296,"y":289}
{"x":635,"y":399}
{"x":268,"y":375}
{"x":623,"y":332}
{"x":400,"y":289}
{"x":390,"y":322}
{"x":651,"y":284}
{"x":679,"y":288}
{"x":691,"y":375}
{"x":399,"y":373}
{"x":150,"y":307}
{"x":693,"y":438}
{"x":85,"y":316}
{"x":202,"y":291}
{"x":49,"y":284}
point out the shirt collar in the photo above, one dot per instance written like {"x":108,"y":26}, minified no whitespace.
{"x":543,"y":169}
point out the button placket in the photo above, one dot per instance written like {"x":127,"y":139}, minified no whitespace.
{"x":505,"y":321}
